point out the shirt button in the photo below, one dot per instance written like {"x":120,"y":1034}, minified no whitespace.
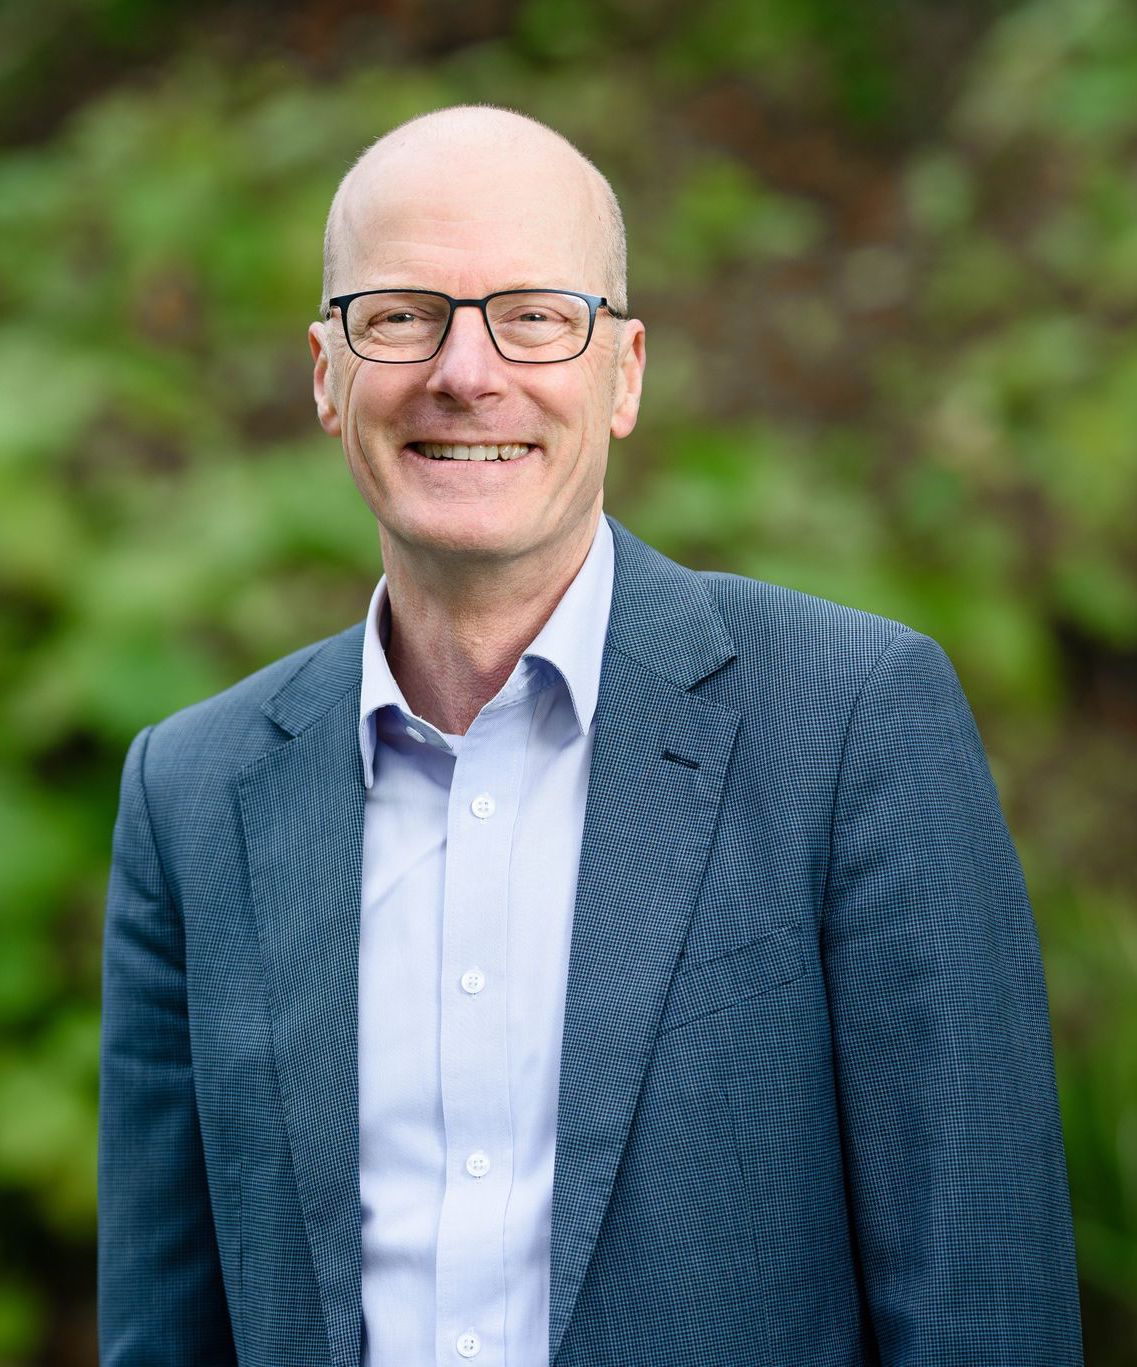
{"x":483,"y":806}
{"x":469,"y":1345}
{"x":473,"y":980}
{"x":415,"y":735}
{"x":478,"y":1163}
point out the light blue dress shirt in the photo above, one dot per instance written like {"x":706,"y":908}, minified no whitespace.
{"x":470,"y":852}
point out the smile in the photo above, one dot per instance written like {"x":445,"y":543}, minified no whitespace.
{"x":452,"y":451}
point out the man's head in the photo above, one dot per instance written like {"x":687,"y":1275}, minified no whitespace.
{"x":468,"y":201}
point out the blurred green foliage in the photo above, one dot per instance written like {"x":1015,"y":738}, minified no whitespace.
{"x":888,"y":261}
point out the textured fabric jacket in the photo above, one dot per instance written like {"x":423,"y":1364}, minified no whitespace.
{"x":807,"y":1109}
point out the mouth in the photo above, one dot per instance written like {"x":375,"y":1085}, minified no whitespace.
{"x":434,"y":450}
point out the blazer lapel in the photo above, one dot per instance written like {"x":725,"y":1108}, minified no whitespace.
{"x":302,"y":807}
{"x":659,"y":763}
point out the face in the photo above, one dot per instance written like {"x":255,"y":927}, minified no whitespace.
{"x":469,"y":234}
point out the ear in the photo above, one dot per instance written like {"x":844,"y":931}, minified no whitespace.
{"x":323,"y":386}
{"x":629,"y":378}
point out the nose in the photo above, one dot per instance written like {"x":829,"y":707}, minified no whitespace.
{"x":468,"y":368}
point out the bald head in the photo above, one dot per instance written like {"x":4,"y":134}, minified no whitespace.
{"x":502,"y":155}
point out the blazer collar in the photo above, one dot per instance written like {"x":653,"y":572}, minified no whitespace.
{"x":661,"y":617}
{"x":330,"y":672}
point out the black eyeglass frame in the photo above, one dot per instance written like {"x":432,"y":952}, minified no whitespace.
{"x":595,"y":302}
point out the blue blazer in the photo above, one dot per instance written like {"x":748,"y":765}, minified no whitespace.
{"x":807,"y":1109}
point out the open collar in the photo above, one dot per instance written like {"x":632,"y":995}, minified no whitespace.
{"x":571,"y":642}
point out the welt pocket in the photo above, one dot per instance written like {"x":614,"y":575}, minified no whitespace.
{"x":700,"y":989}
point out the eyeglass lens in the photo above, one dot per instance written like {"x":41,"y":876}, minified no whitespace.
{"x":526,"y":325}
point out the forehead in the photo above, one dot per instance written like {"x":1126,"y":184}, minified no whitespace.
{"x":474,"y":218}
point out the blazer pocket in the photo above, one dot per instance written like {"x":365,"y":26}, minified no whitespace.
{"x":700,"y":989}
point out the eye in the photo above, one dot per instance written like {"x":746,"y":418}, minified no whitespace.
{"x":534,"y":317}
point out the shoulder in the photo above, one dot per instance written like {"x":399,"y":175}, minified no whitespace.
{"x":795,"y":650}
{"x":754,"y":642}
{"x":238,"y":725}
{"x":655,"y":591}
{"x":792,"y":622}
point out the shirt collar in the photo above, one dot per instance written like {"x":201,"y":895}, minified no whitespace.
{"x":571,"y":641}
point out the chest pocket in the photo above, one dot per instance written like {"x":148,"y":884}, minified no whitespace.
{"x":700,"y":989}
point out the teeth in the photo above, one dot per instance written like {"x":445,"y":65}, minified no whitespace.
{"x":439,"y":451}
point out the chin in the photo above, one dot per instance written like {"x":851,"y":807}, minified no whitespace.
{"x":469,"y":533}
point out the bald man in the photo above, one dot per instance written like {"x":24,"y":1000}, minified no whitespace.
{"x":582,"y":960}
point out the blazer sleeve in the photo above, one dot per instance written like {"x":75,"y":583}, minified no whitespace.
{"x":161,"y":1300}
{"x":942,"y":1051}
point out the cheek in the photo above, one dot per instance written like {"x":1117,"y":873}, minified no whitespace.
{"x":362,"y":449}
{"x":372,"y":406}
{"x":585,"y":406}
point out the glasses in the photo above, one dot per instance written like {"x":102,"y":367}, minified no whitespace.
{"x":533,"y":327}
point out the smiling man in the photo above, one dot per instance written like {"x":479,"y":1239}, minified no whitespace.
{"x":582,"y":960}
{"x":479,"y":439}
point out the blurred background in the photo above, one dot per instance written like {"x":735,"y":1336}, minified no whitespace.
{"x":887,"y":256}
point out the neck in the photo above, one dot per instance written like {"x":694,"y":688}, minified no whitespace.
{"x":457,"y":631}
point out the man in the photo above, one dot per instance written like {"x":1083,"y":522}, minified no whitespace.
{"x":584,"y":960}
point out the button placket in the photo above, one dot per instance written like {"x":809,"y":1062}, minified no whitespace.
{"x":470,"y":1270}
